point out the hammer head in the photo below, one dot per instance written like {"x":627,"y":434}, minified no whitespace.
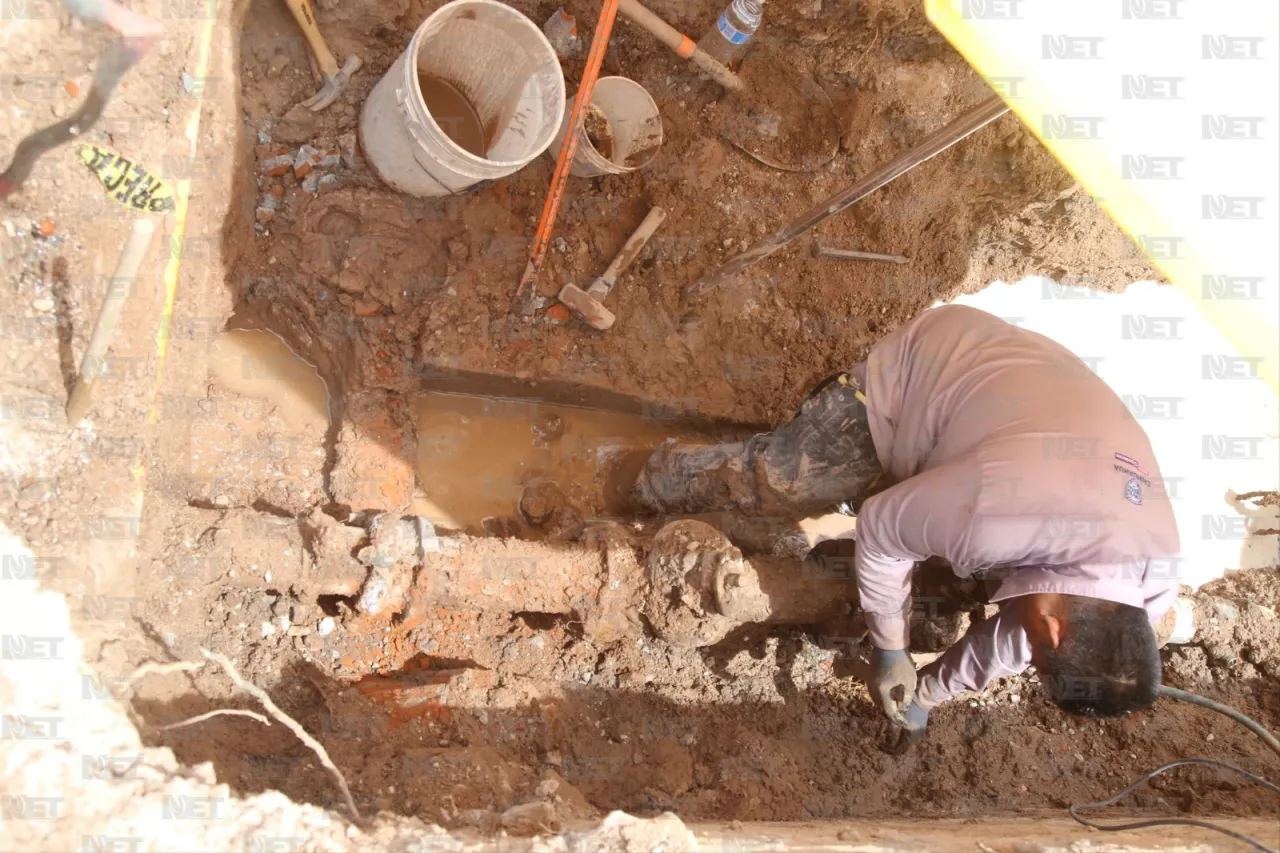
{"x":586,"y":306}
{"x":333,"y":85}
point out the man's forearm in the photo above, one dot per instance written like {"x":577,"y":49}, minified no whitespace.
{"x":889,"y":631}
{"x":995,"y":648}
{"x":884,"y":590}
{"x":902,"y":525}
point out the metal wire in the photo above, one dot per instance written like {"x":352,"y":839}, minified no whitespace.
{"x":116,"y":60}
{"x":1174,"y":821}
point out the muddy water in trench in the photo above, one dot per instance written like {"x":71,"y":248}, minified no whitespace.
{"x":476,"y":455}
{"x":268,"y":433}
{"x":261,"y":366}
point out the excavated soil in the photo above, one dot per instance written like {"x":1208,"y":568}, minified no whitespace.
{"x":501,"y":668}
{"x":394,"y":286}
{"x":462,"y":713}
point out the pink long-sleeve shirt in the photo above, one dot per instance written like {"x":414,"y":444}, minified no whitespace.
{"x":1011,"y":460}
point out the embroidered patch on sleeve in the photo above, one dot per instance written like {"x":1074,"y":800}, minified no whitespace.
{"x":1133,"y":491}
{"x":1132,"y":463}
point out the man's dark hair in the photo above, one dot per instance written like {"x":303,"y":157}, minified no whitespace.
{"x":1107,"y":663}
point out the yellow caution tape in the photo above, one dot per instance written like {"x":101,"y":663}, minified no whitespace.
{"x":1018,"y":49}
{"x":128,"y":182}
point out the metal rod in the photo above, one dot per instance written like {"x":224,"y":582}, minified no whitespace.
{"x":932,"y":145}
{"x":820,"y":251}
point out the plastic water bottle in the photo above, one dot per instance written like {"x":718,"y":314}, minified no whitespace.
{"x":729,"y":39}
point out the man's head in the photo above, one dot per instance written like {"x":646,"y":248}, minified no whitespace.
{"x":1096,"y":658}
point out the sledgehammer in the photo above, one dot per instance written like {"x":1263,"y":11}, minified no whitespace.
{"x":587,"y":304}
{"x":333,"y":79}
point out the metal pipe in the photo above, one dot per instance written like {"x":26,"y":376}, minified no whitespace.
{"x":820,"y":251}
{"x":564,"y":162}
{"x":932,"y":145}
{"x":115,"y":62}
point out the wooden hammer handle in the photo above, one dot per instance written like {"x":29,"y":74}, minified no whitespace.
{"x":634,"y":244}
{"x":682,"y":45}
{"x":119,"y":286}
{"x":306,"y":18}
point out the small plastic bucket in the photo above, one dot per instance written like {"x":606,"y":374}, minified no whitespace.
{"x":502,"y":71}
{"x":635,"y":129}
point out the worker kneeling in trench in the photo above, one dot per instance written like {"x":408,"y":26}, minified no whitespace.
{"x":965,"y":438}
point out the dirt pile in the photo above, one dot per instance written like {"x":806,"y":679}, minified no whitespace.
{"x":61,"y":749}
{"x":1237,"y":641}
{"x":478,"y":692}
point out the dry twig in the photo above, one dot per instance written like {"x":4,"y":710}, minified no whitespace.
{"x":865,"y":54}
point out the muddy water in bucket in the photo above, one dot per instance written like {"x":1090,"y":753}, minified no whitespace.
{"x":476,"y":456}
{"x":500,"y":61}
{"x":621,"y":132}
{"x":454,"y":113}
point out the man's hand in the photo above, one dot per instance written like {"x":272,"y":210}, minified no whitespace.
{"x":894,"y":669}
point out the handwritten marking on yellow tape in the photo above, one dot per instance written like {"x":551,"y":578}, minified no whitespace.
{"x":129,"y":183}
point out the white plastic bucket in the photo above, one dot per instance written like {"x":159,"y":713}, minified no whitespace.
{"x":634,"y":124}
{"x":501,"y":63}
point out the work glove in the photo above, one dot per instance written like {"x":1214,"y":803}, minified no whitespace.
{"x":906,"y":730}
{"x":894,"y":669}
{"x":916,"y":720}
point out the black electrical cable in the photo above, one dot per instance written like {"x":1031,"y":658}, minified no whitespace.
{"x":116,"y":60}
{"x":1195,"y":699}
{"x":1184,"y":696}
{"x":1175,"y":821}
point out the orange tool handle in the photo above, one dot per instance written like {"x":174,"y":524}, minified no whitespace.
{"x":542,"y":237}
